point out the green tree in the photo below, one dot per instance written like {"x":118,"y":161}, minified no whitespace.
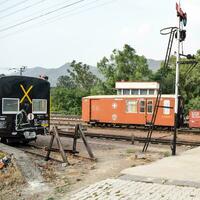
{"x":67,"y":101}
{"x":123,"y":65}
{"x":166,"y":76}
{"x":79,"y":82}
{"x":79,"y":76}
{"x":66,"y":81}
{"x":193,"y":104}
{"x":190,"y":81}
{"x":188,"y":84}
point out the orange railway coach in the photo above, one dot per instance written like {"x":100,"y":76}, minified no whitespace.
{"x":194,"y":119}
{"x":128,"y":109}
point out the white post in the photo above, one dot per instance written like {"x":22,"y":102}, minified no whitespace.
{"x":176,"y":87}
{"x":177,"y":67}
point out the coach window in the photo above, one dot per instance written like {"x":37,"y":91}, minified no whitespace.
{"x":143,"y":92}
{"x":149,"y":106}
{"x":151,"y":91}
{"x":10,"y":105}
{"x":126,"y":91}
{"x":131,"y":106}
{"x":166,"y":109}
{"x":134,"y":91}
{"x":142,"y":106}
{"x":119,"y":91}
{"x":39,"y":106}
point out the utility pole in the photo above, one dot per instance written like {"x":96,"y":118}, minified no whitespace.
{"x":176,"y":89}
{"x":21,"y":70}
{"x":182,"y":20}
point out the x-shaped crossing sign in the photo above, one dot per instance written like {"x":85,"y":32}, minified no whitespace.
{"x":26,"y":93}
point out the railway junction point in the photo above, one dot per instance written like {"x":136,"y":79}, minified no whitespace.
{"x":171,"y":178}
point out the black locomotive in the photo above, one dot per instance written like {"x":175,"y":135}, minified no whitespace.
{"x":24,"y":108}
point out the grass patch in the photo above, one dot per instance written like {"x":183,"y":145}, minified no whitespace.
{"x":130,"y":151}
{"x":167,"y":154}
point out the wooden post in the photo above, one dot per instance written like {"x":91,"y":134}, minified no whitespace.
{"x":64,"y":157}
{"x":132,"y":138}
{"x":89,"y":150}
{"x":50,"y":146}
{"x":76,"y":136}
{"x":54,"y":134}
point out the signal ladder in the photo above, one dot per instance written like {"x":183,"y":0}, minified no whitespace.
{"x":171,"y":31}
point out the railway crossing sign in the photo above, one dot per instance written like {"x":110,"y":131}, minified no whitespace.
{"x":26,"y":93}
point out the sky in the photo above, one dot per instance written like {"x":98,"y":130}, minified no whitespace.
{"x":88,"y":30}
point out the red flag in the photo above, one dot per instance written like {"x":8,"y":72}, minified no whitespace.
{"x":179,"y":11}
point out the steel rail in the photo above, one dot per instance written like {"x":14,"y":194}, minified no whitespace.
{"x":160,"y":140}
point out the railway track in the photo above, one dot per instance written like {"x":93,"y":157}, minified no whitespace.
{"x":158,"y":140}
{"x":164,"y":138}
{"x":61,"y":120}
{"x":33,"y":150}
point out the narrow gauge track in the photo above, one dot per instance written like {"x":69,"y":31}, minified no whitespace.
{"x":157,"y":140}
{"x":29,"y":148}
{"x":61,"y":120}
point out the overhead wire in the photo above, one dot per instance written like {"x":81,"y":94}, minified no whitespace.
{"x":40,"y":16}
{"x":4,"y":2}
{"x":22,"y":9}
{"x":62,"y":16}
{"x":34,"y":14}
{"x":13,"y":6}
{"x":46,"y":9}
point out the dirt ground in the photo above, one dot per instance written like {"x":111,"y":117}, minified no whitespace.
{"x":112,"y":157}
{"x":10,"y":177}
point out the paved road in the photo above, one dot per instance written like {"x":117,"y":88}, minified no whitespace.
{"x":115,"y":189}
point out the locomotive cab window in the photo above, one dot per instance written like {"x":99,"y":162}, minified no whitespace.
{"x":131,"y":106}
{"x":142,"y":106}
{"x":150,"y":106}
{"x":10,"y":105}
{"x":39,"y":106}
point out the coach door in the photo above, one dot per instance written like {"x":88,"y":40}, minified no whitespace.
{"x":95,"y":109}
{"x":149,"y":110}
{"x":142,"y":111}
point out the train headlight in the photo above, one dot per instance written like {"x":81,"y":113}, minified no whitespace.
{"x":30,"y":116}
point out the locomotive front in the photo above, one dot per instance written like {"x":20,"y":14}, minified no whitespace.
{"x":25,"y":109}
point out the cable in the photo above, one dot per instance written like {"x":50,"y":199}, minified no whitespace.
{"x":22,"y":9}
{"x":13,"y":6}
{"x":4,"y":2}
{"x":40,"y":16}
{"x":47,"y":21}
{"x":46,"y":9}
{"x":63,"y":15}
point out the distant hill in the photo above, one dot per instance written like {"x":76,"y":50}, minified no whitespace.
{"x":54,"y":73}
{"x":154,"y":65}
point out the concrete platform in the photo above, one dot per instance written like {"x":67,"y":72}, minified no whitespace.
{"x":117,"y":189}
{"x":181,"y":170}
{"x":171,"y":178}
